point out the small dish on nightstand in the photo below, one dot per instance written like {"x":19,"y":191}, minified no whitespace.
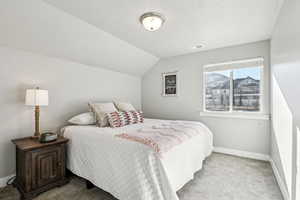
{"x":48,"y":137}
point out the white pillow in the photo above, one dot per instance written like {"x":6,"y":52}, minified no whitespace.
{"x":125,"y":107}
{"x":100,"y":110}
{"x":83,"y":119}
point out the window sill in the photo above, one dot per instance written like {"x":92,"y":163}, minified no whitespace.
{"x":236,"y":115}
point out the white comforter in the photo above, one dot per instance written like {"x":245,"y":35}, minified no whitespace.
{"x":130,"y":170}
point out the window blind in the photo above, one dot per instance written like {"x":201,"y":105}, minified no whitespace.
{"x":255,"y":62}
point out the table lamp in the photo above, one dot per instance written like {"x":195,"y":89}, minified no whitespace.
{"x":36,"y":97}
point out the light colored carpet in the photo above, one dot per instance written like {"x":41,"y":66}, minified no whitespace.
{"x":222,"y":178}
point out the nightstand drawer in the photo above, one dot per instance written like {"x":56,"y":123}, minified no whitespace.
{"x":47,"y":165}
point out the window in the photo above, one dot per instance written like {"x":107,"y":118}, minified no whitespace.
{"x":234,"y":87}
{"x":217,"y":91}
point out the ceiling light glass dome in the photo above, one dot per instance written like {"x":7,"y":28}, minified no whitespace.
{"x":152,"y":21}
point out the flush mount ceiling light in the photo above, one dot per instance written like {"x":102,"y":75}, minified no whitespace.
{"x":152,"y":21}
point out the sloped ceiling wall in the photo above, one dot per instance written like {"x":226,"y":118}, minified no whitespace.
{"x":212,"y":23}
{"x":36,"y":26}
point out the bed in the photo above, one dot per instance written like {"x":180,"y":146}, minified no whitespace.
{"x":133,"y":171}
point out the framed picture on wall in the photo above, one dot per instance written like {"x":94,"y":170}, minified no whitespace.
{"x":170,"y":84}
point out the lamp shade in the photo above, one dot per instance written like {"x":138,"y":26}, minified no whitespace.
{"x":36,"y":97}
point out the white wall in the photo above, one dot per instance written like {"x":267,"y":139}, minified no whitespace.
{"x":285,"y":72}
{"x":239,"y":134}
{"x":71,"y":86}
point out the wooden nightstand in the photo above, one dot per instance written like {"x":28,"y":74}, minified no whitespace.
{"x":40,"y":166}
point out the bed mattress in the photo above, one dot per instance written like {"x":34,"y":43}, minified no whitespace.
{"x":131,"y":170}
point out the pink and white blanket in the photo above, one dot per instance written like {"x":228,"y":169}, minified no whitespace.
{"x":165,"y":136}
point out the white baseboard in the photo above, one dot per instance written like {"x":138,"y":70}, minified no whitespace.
{"x":244,"y":154}
{"x":4,"y":180}
{"x":280,"y":182}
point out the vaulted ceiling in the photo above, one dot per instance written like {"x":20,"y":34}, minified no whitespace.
{"x":214,"y":23}
{"x":36,"y":26}
{"x":107,"y":33}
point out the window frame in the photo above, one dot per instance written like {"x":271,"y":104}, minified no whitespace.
{"x":236,"y":114}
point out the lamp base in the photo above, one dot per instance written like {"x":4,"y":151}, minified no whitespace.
{"x":37,"y":121}
{"x":37,"y":134}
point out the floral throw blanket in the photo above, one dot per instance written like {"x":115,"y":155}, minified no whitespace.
{"x":165,"y":136}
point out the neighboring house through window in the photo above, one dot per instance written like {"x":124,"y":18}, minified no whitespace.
{"x":234,"y":87}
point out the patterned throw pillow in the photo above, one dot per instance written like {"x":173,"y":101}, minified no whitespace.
{"x":119,"y":119}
